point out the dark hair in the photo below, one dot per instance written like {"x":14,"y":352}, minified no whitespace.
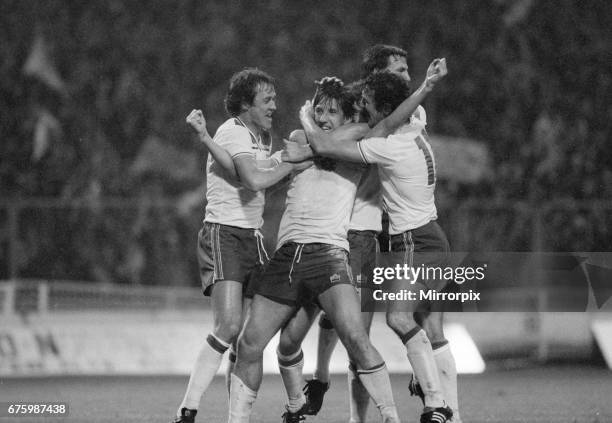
{"x":243,"y":88}
{"x":376,"y":58}
{"x":333,"y":88}
{"x":389,"y":90}
{"x":355,"y":88}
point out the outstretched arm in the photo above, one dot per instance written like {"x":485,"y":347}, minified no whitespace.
{"x":435,"y":72}
{"x":339,"y":145}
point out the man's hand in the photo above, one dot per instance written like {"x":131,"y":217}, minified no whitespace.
{"x":197,"y":122}
{"x":306,"y":113}
{"x":435,"y":72}
{"x":294,"y":152}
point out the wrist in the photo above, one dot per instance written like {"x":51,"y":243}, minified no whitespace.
{"x":277,"y":157}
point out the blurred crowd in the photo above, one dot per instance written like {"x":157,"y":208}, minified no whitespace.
{"x":94,"y":96}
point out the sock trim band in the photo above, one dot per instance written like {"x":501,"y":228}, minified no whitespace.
{"x":374,"y":369}
{"x":292,"y":360}
{"x":217,"y":344}
{"x":408,"y":336}
{"x":438,"y":344}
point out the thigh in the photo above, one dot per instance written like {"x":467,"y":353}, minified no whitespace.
{"x":342,"y":306}
{"x":264,"y":319}
{"x":227,"y":302}
{"x":296,"y":329}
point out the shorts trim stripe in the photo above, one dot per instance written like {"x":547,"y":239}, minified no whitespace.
{"x":408,"y":248}
{"x":216,"y":251}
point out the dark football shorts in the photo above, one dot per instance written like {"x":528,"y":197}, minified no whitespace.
{"x":298,"y":273}
{"x":425,"y":247}
{"x":363,"y":253}
{"x":230,"y":253}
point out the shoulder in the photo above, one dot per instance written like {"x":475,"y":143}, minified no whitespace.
{"x":232,"y":128}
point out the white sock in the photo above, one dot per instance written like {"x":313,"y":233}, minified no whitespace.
{"x":204,"y":370}
{"x":241,"y":401}
{"x":424,"y":366}
{"x":376,"y":382}
{"x":291,"y":367}
{"x":359,"y":399}
{"x":447,"y":371}
{"x":230,"y":368}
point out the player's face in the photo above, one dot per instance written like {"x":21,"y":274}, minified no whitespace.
{"x":398,"y":66}
{"x":263,"y":107}
{"x":328,"y":114}
{"x":367,"y":101}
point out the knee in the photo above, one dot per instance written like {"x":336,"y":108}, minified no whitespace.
{"x":248,"y":348}
{"x":288,"y":344}
{"x":400,"y":323}
{"x":356,"y":341}
{"x":228,"y":329}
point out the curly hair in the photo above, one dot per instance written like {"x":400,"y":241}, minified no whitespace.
{"x":388,"y":89}
{"x":332,"y":88}
{"x":243,"y":88}
{"x":376,"y":58}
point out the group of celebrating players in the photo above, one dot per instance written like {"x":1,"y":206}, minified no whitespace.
{"x":362,"y":148}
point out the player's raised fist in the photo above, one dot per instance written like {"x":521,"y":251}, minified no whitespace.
{"x":196,"y":120}
{"x":306,"y":112}
{"x":435,"y":72}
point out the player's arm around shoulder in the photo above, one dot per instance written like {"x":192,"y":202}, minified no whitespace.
{"x":255,"y":178}
{"x":338,"y":144}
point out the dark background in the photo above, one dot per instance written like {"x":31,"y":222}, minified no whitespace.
{"x":101,"y":180}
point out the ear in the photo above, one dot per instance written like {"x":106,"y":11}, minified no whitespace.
{"x":244,"y":106}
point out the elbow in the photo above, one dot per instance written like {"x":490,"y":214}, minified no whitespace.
{"x":252,"y":183}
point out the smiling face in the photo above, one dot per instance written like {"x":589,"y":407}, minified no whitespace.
{"x":328,"y":114}
{"x":260,"y":112}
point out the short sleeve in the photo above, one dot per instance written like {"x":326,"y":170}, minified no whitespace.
{"x":375,"y":150}
{"x":236,"y":140}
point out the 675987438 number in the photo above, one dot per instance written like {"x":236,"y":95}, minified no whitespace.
{"x":33,"y":409}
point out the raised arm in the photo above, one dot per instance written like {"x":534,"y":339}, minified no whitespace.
{"x":435,"y":72}
{"x":196,"y":120}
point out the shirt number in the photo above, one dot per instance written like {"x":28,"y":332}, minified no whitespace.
{"x":431,"y":169}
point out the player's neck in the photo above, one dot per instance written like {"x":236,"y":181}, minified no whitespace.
{"x":248,"y":122}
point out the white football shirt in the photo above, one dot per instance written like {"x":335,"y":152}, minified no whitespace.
{"x":407,"y":171}
{"x":367,"y":210}
{"x":228,"y":202}
{"x":319,"y":204}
